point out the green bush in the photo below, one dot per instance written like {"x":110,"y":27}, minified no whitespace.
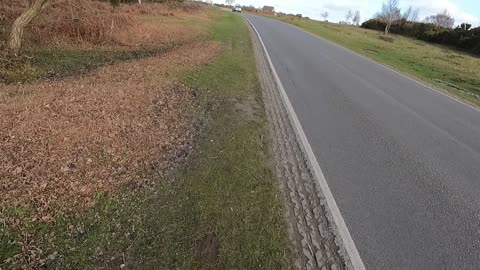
{"x":461,"y":37}
{"x":374,"y":24}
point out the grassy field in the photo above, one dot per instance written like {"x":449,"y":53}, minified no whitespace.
{"x":447,"y":69}
{"x":220,"y":211}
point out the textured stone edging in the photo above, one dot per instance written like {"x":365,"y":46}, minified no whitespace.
{"x":315,"y":238}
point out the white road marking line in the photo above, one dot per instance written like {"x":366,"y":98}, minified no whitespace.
{"x":341,"y":227}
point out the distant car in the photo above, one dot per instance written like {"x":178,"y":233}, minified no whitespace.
{"x":237,"y":8}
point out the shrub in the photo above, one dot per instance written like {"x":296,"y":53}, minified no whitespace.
{"x":85,"y":22}
{"x":459,"y":37}
{"x":374,"y":24}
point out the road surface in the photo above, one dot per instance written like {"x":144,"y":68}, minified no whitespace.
{"x":402,"y":160}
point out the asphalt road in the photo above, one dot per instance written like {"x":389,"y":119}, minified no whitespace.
{"x":402,"y":160}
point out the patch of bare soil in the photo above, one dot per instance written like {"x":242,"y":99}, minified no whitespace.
{"x":63,"y":142}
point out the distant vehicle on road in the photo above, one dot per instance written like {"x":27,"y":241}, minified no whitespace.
{"x":237,"y":8}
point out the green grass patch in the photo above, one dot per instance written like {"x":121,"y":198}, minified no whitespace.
{"x":445,"y":68}
{"x":221,"y":211}
{"x":236,"y":188}
{"x":44,"y":63}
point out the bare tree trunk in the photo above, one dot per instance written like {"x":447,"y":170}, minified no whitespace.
{"x":16,"y":34}
{"x":139,"y":1}
{"x":387,"y":28}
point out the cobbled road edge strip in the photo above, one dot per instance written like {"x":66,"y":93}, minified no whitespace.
{"x":317,"y":232}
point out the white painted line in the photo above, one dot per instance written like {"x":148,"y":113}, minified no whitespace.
{"x":342,"y":229}
{"x":387,"y":67}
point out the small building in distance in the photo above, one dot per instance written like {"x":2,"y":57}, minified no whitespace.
{"x":268,"y":9}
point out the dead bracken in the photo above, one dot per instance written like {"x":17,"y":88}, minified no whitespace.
{"x":63,"y":142}
{"x":87,"y":24}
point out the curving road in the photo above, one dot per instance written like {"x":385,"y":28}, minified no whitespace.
{"x":402,"y":160}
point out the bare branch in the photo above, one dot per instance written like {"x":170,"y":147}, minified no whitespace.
{"x":348,"y":16}
{"x":441,"y":19}
{"x":414,"y":17}
{"x":390,"y":12}
{"x":411,"y":14}
{"x":324,"y":15}
{"x":356,"y":18}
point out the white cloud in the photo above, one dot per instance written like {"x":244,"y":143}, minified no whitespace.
{"x":428,"y":7}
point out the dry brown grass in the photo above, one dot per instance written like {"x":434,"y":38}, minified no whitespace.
{"x":91,"y":23}
{"x":172,"y":29}
{"x":62,"y":142}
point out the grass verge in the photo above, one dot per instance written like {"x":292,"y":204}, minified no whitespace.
{"x":221,"y":211}
{"x":445,"y":68}
{"x":44,"y":63}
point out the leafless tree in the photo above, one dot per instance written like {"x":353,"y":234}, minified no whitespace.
{"x":348,"y":16}
{"x":34,"y":9}
{"x":441,"y":19}
{"x":324,"y":15}
{"x":414,"y":17}
{"x":407,"y":13}
{"x":390,"y":12}
{"x":356,"y":18}
{"x":229,"y":2}
{"x":410,"y":14}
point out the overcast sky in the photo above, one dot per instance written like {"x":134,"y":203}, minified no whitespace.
{"x":461,"y":10}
